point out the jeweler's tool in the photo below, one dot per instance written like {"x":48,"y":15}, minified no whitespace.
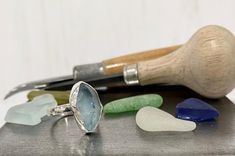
{"x":104,"y":71}
{"x":206,"y":64}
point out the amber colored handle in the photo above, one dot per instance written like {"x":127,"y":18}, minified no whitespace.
{"x":115,"y":65}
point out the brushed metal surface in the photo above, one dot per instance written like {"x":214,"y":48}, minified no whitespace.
{"x":118,"y":134}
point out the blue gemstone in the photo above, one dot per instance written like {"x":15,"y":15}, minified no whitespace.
{"x":89,"y":107}
{"x":196,"y":110}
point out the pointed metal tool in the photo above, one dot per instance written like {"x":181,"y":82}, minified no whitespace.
{"x":41,"y":84}
{"x":66,"y":83}
{"x":106,"y":73}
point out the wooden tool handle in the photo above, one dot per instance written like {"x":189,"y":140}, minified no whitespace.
{"x":162,"y":70}
{"x":206,"y":64}
{"x":115,"y":65}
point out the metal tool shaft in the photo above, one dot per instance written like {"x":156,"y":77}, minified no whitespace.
{"x":92,"y":73}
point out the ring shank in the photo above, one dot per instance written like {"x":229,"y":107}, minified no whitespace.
{"x":62,"y":110}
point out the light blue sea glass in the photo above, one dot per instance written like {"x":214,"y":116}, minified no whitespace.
{"x":86,"y":106}
{"x":30,"y":113}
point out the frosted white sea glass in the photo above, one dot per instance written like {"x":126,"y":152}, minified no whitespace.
{"x":153,"y":119}
{"x":30,"y":113}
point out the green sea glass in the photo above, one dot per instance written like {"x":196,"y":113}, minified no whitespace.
{"x":133,"y":103}
{"x":30,"y":113}
{"x":62,"y":97}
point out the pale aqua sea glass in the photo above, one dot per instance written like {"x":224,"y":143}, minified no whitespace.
{"x":30,"y":113}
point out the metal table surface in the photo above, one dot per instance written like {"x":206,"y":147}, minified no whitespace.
{"x":118,"y":134}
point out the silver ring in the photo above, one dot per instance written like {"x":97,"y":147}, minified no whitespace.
{"x":84,"y":104}
{"x":62,"y":110}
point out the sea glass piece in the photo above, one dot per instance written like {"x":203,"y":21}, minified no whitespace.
{"x":133,"y":103}
{"x":62,"y":97}
{"x":153,"y":119}
{"x":86,"y":106}
{"x":196,"y":110}
{"x":30,"y":113}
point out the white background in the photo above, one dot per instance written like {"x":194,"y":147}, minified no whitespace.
{"x":46,"y":38}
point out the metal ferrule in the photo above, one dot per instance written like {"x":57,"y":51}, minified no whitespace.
{"x":88,"y":72}
{"x":130,"y":74}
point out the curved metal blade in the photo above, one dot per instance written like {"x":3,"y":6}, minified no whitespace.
{"x":41,"y":84}
{"x":66,"y":83}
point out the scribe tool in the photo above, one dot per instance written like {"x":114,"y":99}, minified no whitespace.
{"x":205,"y":64}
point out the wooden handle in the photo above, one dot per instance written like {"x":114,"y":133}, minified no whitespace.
{"x":115,"y":65}
{"x":206,"y":64}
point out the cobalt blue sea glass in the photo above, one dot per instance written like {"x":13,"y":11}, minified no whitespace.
{"x":88,"y":106}
{"x":196,"y":110}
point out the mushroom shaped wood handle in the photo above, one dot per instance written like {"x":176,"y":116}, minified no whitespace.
{"x":206,"y":64}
